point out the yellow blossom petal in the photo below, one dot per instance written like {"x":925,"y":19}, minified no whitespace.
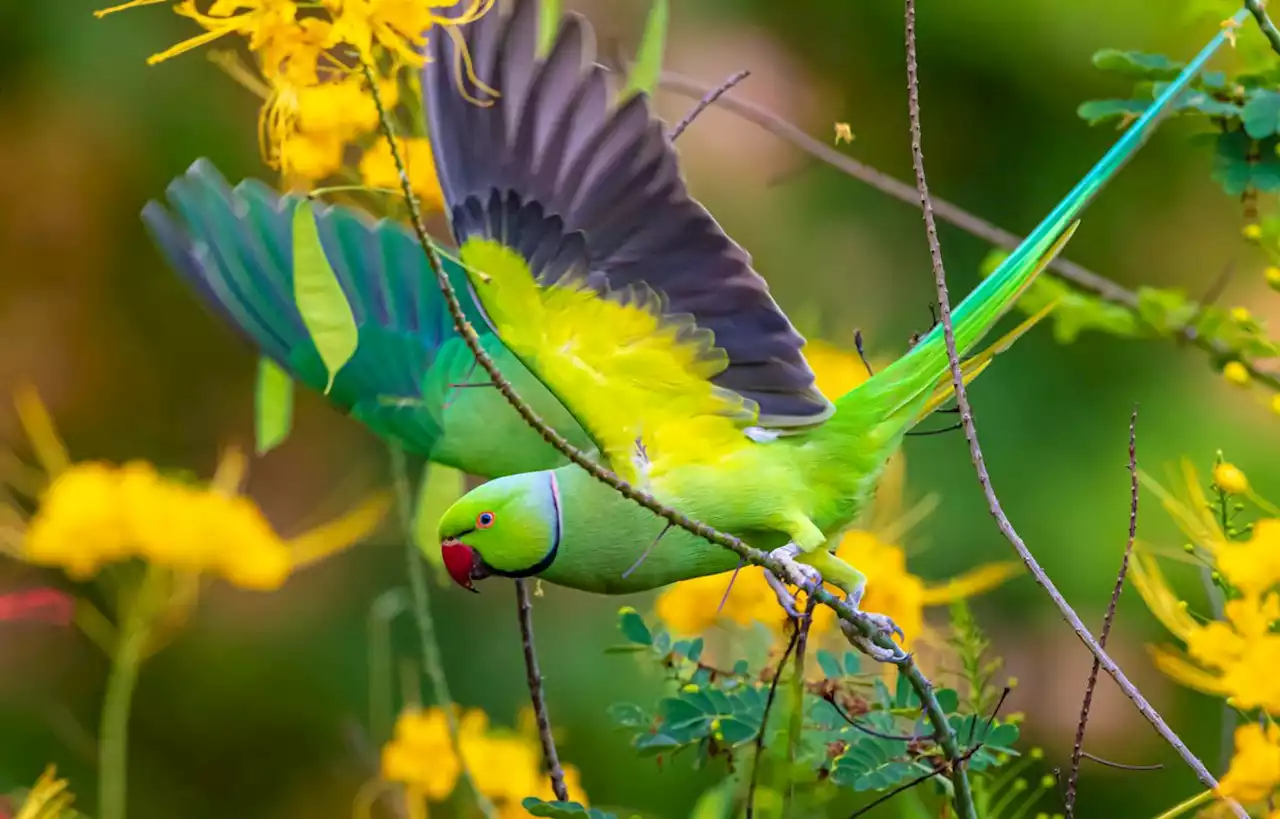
{"x":1176,"y":666}
{"x":1149,"y":580}
{"x":971,"y":583}
{"x":339,"y":534}
{"x":48,"y":799}
{"x":1230,"y":479}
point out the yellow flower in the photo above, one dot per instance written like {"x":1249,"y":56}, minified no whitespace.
{"x":92,"y":514}
{"x":312,"y":95}
{"x":1241,"y":315}
{"x":1237,"y":373}
{"x":1275,"y":404}
{"x":421,"y":755}
{"x":1255,"y":768}
{"x":1230,"y":479}
{"x":49,"y":799}
{"x":378,"y":169}
{"x":844,"y":133}
{"x":1272,"y":275}
{"x":506,"y":765}
{"x":1252,"y":232}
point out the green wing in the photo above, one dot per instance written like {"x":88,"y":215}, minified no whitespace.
{"x":234,"y":248}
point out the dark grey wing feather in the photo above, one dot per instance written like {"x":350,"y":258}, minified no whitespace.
{"x":555,"y":171}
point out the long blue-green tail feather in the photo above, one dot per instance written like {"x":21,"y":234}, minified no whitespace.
{"x":234,"y":248}
{"x":896,"y":391}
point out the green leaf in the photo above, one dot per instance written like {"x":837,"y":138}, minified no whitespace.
{"x":695,"y":650}
{"x":734,"y":731}
{"x":632,"y":626}
{"x":648,"y":66}
{"x":628,"y":715}
{"x":1099,"y":111}
{"x":852,"y":664}
{"x":1261,"y":114}
{"x":319,"y":296}
{"x":548,"y":25}
{"x":949,"y":700}
{"x":656,"y":743}
{"x":830,"y":665}
{"x":1240,"y":164}
{"x":1002,"y":736}
{"x":1137,"y":65}
{"x":563,"y":810}
{"x":273,"y":406}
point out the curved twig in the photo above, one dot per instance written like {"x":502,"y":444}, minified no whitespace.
{"x":1078,"y":750}
{"x":524,"y":606}
{"x":975,"y":449}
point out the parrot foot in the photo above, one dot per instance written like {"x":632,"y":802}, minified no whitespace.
{"x":885,"y":624}
{"x":797,"y":574}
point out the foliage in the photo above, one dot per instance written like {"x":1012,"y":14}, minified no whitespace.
{"x":861,"y":735}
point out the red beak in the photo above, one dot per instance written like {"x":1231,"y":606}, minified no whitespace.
{"x":459,"y":560}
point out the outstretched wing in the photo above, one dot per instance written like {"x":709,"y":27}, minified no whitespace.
{"x":590,"y":258}
{"x":234,"y":248}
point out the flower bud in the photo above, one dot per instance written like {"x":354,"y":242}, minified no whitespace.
{"x":1230,"y":479}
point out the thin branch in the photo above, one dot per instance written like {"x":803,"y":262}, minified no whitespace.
{"x":764,"y":722}
{"x":963,"y":797}
{"x":944,"y":736}
{"x":1122,"y":766}
{"x":797,"y":701}
{"x":1080,"y":276}
{"x":1078,"y":750}
{"x":975,"y":449}
{"x":831,"y":700}
{"x":707,"y":101}
{"x":429,"y":646}
{"x":525,"y":608}
{"x":1258,"y":8}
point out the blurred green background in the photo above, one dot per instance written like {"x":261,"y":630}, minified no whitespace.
{"x":255,"y":710}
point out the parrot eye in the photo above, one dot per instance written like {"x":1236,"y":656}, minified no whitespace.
{"x":484,"y":520}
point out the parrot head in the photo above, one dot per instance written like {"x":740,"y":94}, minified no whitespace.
{"x":509,"y":527}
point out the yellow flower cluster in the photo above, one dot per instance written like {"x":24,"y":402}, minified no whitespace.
{"x":1255,"y":768}
{"x":310,"y":56}
{"x":1236,"y":656}
{"x":506,"y":765}
{"x":693,"y":606}
{"x":93,"y":513}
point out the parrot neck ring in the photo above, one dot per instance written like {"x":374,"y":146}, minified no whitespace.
{"x":465,"y":565}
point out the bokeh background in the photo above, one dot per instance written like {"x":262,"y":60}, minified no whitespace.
{"x":250,"y":713}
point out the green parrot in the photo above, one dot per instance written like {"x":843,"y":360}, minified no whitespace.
{"x":614,"y":288}
{"x":615,"y":305}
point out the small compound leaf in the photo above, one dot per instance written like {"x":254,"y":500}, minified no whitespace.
{"x":949,"y":700}
{"x":628,"y":715}
{"x":1261,"y":115}
{"x":1095,"y":112}
{"x":273,"y":406}
{"x":632,"y":626}
{"x":562,"y":810}
{"x":830,"y":665}
{"x":1137,"y":65}
{"x":321,"y":302}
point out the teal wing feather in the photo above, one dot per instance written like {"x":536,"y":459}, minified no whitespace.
{"x":234,"y":248}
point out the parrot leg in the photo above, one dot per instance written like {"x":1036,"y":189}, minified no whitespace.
{"x":798,"y":574}
{"x":854,"y":585}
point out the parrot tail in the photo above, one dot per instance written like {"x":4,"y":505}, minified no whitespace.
{"x":234,"y":247}
{"x":892,"y":400}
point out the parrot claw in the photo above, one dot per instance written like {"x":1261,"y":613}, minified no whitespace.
{"x":785,"y":598}
{"x":882,"y":622}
